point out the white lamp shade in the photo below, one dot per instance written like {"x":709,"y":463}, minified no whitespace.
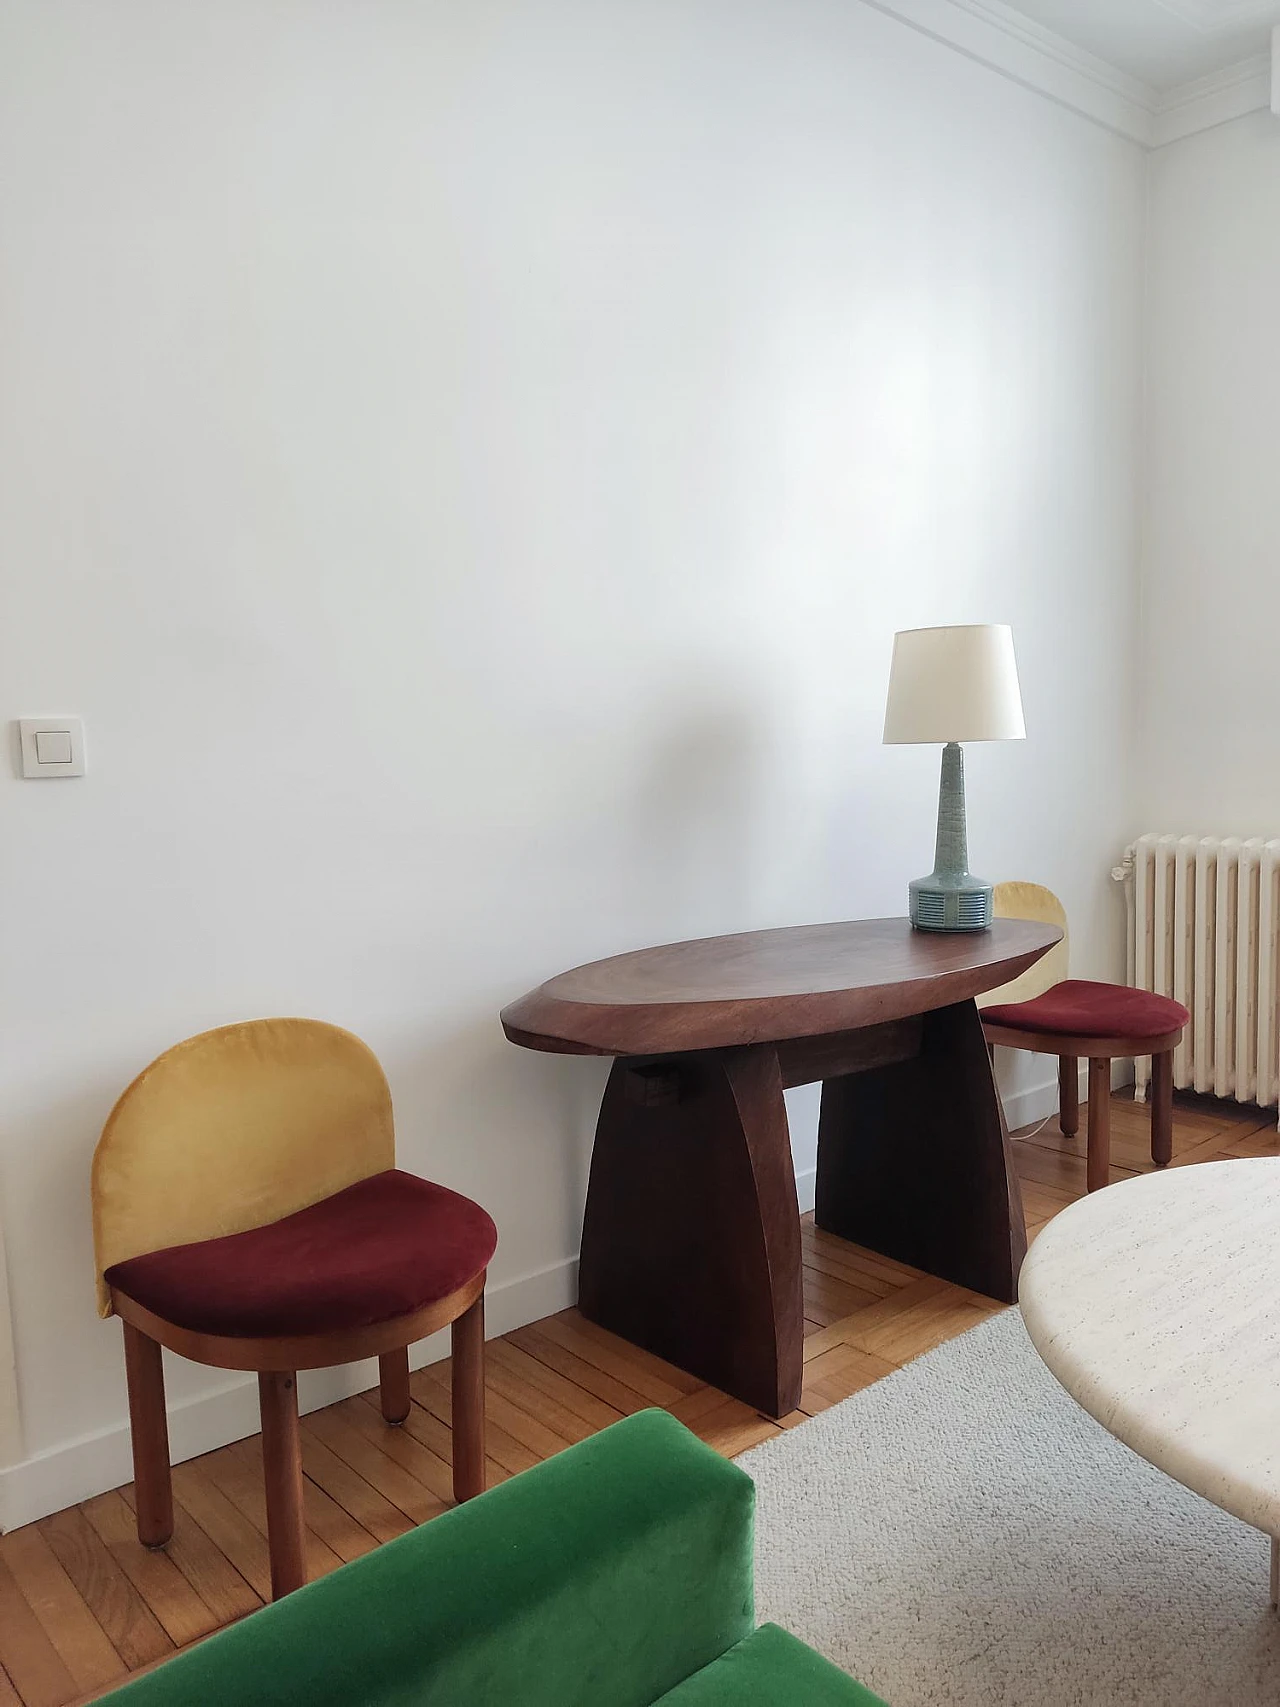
{"x":954,"y":684}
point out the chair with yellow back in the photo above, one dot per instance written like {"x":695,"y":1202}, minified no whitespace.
{"x":1049,"y":1013}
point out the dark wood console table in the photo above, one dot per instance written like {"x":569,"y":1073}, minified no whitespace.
{"x":691,"y":1242}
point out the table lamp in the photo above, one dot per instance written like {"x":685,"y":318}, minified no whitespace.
{"x":950,"y":685}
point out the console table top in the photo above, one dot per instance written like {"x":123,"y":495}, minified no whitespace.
{"x":768,"y":986}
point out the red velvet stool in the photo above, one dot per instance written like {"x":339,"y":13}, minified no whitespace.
{"x":248,"y":1215}
{"x":1077,"y":1017}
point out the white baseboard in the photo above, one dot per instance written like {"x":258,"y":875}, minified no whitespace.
{"x":78,"y":1470}
{"x":1037,"y":1102}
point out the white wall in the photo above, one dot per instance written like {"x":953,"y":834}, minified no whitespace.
{"x":1209,"y":731}
{"x":466,"y":463}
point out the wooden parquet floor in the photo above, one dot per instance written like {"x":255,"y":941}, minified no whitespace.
{"x":82,"y":1604}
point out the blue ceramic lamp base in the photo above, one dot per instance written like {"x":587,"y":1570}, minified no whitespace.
{"x":950,"y":898}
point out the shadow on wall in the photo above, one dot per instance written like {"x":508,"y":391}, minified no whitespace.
{"x":469,"y":1090}
{"x":699,"y":823}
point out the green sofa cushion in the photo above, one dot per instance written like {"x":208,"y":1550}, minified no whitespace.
{"x":598,"y":1579}
{"x":770,"y":1669}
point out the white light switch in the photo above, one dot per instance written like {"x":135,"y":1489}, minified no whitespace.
{"x":52,"y":746}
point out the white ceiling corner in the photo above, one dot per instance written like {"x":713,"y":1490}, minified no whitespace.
{"x":1151,"y":70}
{"x":1164,"y":43}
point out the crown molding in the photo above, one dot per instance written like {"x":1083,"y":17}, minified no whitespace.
{"x":1018,"y":48}
{"x":997,"y":36}
{"x":1224,"y":95}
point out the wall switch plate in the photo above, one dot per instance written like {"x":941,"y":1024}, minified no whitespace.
{"x":52,"y":746}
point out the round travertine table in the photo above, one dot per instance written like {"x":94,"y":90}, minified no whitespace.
{"x":1156,"y":1303}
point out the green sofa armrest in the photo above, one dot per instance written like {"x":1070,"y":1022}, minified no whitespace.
{"x":770,"y":1668}
{"x":600,"y":1578}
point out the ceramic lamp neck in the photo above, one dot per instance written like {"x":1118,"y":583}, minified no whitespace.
{"x":951,"y":853}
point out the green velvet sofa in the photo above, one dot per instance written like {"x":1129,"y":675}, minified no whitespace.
{"x":618,"y":1574}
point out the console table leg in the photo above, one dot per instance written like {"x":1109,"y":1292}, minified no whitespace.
{"x":914,"y":1161}
{"x":691,"y":1241}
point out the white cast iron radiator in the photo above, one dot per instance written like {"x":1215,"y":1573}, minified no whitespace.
{"x":1204,"y":914}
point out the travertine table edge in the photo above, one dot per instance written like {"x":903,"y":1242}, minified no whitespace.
{"x":1156,"y":1304}
{"x":691,"y":1237}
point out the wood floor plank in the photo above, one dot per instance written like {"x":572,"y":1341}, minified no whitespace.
{"x":237,"y":1475}
{"x":839,"y":1373}
{"x":821,"y":1261}
{"x":205,"y":1566}
{"x":531,"y":1398}
{"x":335,"y":1526}
{"x":826,"y":1301}
{"x":594,"y":1413}
{"x":656,"y":1366}
{"x":29,"y":1658}
{"x":424,"y":1426}
{"x":83,"y":1645}
{"x":347,"y":1488}
{"x":426,"y":1466}
{"x":504,"y":1421}
{"x":433,"y":1394}
{"x":1063,"y":1169}
{"x":380,"y":1470}
{"x":225,"y":1525}
{"x":133,"y":1628}
{"x":9,"y":1696}
{"x":861,"y":1259}
{"x":917,"y":1319}
{"x":543,"y":1440}
{"x":598,"y":1382}
{"x":627,"y":1364}
{"x":1257,"y":1141}
{"x":727,"y":1424}
{"x":181,"y":1612}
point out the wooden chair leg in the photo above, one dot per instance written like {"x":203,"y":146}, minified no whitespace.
{"x":1098,"y":1163}
{"x":1069,"y":1095}
{"x":468,"y":1402}
{"x":149,"y":1428}
{"x":393,"y":1385}
{"x":1162,"y":1108}
{"x":282,"y":1469}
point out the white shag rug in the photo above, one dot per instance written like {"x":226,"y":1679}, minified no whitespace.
{"x":963,"y":1533}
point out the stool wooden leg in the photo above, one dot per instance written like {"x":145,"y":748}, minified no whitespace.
{"x":1162,"y":1108}
{"x":1098,"y":1164}
{"x":468,"y":1402}
{"x":149,"y":1428}
{"x":1069,"y":1095}
{"x":393,"y":1385}
{"x":282,"y":1468}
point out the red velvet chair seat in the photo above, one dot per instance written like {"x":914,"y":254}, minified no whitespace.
{"x":1080,"y":1008}
{"x":384,"y":1247}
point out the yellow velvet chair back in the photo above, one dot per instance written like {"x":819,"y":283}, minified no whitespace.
{"x":1030,"y":901}
{"x":233,"y":1129}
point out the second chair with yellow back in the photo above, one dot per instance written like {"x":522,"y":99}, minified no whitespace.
{"x":1049,"y":1013}
{"x":248,"y":1214}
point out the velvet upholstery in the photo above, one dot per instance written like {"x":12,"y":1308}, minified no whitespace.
{"x":379,"y":1249}
{"x":233,"y":1129}
{"x":770,"y":1668}
{"x":600,"y":1578}
{"x":1080,"y":1008}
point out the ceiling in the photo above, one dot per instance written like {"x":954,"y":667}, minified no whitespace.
{"x":1161,"y":42}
